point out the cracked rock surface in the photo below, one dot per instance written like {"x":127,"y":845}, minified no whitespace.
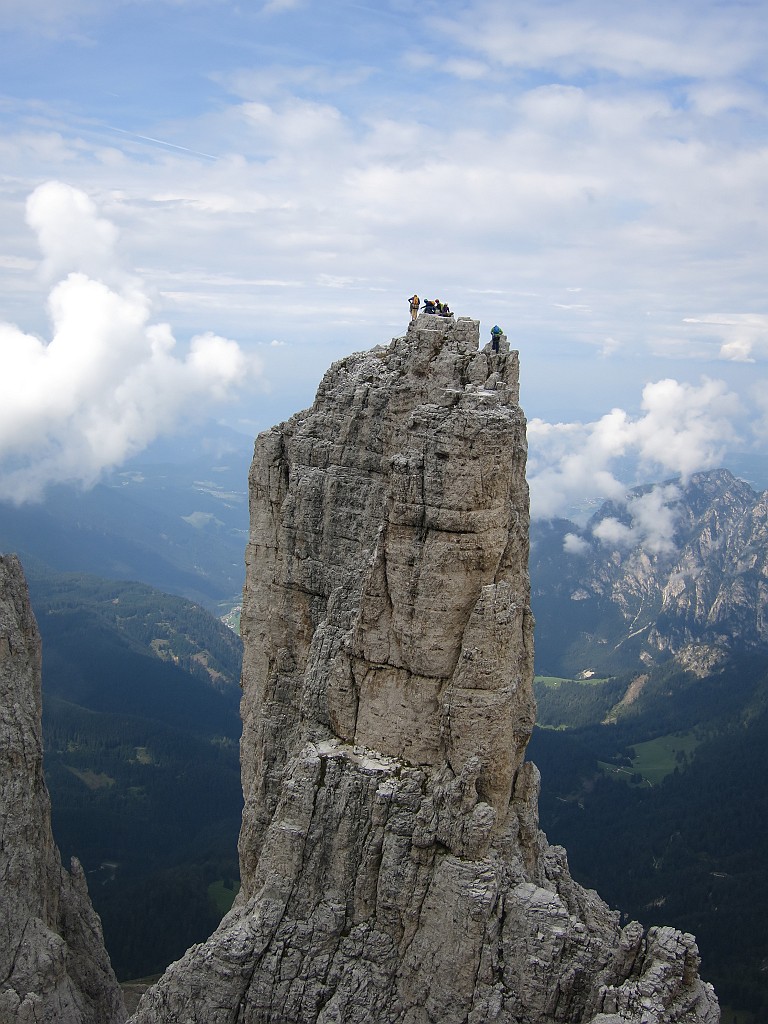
{"x":54,"y":968}
{"x":393,"y":871}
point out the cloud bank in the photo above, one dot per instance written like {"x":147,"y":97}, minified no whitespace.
{"x":109,"y":380}
{"x":682,"y":429}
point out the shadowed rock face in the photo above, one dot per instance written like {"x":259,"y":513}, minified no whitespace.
{"x":54,"y":968}
{"x":392,"y":865}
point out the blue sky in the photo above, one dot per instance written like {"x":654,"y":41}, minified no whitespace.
{"x":274,"y":179}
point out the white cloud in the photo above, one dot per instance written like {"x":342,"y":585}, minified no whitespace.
{"x":652,"y":522}
{"x":575,"y":545}
{"x":571,"y":461}
{"x":109,"y":380}
{"x":613,"y":533}
{"x":70,"y":233}
{"x":609,"y":347}
{"x":652,"y":519}
{"x":683,"y":428}
{"x":743,"y":336}
{"x":717,"y":97}
{"x":638,"y":40}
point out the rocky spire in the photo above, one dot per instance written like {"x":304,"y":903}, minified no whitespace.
{"x":54,"y":968}
{"x":392,"y":865}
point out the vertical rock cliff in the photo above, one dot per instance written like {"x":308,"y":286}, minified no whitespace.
{"x":54,"y":968}
{"x":392,"y":865}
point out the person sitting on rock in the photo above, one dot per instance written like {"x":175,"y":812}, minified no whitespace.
{"x":429,"y":306}
{"x":444,"y":311}
{"x":414,"y":303}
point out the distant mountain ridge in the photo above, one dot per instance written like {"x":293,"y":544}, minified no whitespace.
{"x":606,"y":606}
{"x":652,"y":656}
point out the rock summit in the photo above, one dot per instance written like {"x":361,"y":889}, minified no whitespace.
{"x":393,"y":871}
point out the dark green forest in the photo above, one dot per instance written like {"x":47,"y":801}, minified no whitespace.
{"x":141,"y":728}
{"x":663,"y":807}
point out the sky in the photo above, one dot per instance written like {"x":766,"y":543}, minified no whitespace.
{"x":204,"y":203}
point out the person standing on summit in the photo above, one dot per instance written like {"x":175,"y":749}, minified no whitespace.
{"x":414,"y":305}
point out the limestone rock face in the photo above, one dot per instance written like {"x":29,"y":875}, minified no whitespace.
{"x":392,"y":867}
{"x":54,"y":968}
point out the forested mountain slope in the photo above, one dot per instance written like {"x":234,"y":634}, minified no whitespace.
{"x":141,"y":727}
{"x":653,"y":717}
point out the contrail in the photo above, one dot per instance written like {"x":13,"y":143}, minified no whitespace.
{"x":162,"y":142}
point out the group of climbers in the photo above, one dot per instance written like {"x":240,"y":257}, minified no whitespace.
{"x":434,"y":306}
{"x":438,"y":308}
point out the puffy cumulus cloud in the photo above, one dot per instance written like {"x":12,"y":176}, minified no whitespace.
{"x":575,"y":545}
{"x":682,"y":428}
{"x":685,"y":428}
{"x":108,"y":380}
{"x":571,"y":461}
{"x":652,"y":519}
{"x":71,"y":234}
{"x":613,"y":533}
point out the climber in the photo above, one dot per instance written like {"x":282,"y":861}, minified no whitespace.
{"x":496,"y":333}
{"x":414,"y":305}
{"x":429,"y":306}
{"x":445,"y":311}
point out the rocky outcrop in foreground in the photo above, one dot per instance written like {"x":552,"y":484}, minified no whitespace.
{"x":53,"y":965}
{"x":392,"y":865}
